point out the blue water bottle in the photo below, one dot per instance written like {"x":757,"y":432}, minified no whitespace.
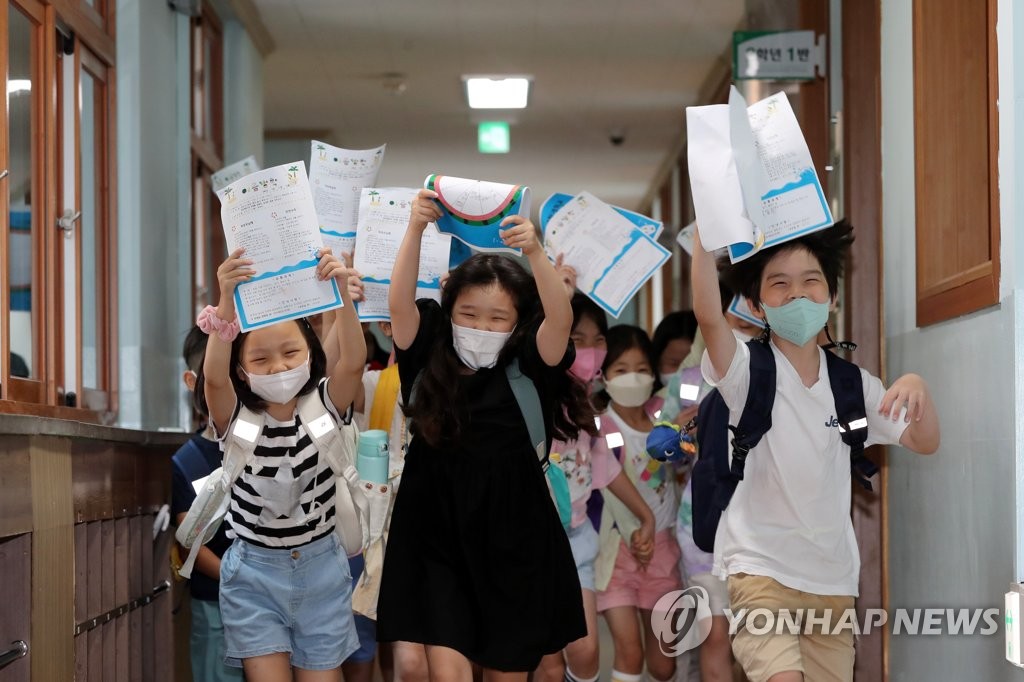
{"x":372,"y":456}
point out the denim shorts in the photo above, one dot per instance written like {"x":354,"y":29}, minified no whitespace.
{"x":296,"y":600}
{"x":583,"y":541}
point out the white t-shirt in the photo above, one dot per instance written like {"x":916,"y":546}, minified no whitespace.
{"x":789,"y":518}
{"x":654,"y":480}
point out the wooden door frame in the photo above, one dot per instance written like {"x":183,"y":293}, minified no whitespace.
{"x":864,"y":310}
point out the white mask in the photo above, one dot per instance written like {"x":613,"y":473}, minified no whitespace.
{"x":279,"y":387}
{"x":631,"y":389}
{"x":476,"y":348}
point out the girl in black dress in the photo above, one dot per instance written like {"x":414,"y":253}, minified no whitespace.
{"x":478,"y":567}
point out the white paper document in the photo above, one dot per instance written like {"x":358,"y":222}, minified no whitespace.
{"x":383,"y":219}
{"x":236,"y":171}
{"x":612,"y":257}
{"x":337,"y":177}
{"x":685,"y":238}
{"x":270,"y":213}
{"x":752,"y":177}
{"x":740,"y":307}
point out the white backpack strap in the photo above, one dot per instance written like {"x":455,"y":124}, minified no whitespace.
{"x":337,"y":445}
{"x":239,"y":449}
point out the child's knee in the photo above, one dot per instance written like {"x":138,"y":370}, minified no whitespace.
{"x":661,"y":667}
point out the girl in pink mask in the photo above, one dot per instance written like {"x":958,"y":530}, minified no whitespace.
{"x":477,"y":567}
{"x":629,"y":584}
{"x":285,"y":586}
{"x":589,"y":465}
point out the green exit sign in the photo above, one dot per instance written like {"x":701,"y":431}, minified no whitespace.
{"x":492,"y":137}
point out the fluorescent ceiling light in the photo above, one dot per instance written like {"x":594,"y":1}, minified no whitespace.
{"x":18,"y":85}
{"x":497,"y":92}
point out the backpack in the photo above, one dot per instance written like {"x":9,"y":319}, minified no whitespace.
{"x":719,"y":467}
{"x":529,"y":405}
{"x":354,"y":500}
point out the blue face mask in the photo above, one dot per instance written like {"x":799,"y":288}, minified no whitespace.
{"x":798,"y":321}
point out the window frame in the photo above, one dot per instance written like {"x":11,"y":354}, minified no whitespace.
{"x":973,"y":286}
{"x":92,"y":28}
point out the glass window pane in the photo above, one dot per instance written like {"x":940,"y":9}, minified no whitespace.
{"x":90,"y":224}
{"x":21,"y":36}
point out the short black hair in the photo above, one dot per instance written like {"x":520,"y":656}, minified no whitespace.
{"x":679,"y":324}
{"x":194,"y":350}
{"x":830,"y":247}
{"x":583,"y":306}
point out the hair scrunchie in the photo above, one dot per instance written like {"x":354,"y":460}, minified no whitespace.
{"x":209,"y":322}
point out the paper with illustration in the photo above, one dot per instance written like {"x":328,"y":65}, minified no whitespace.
{"x":337,"y":177}
{"x":236,"y":171}
{"x":752,"y":177}
{"x":649,"y":226}
{"x":383,"y":219}
{"x":472,"y":210}
{"x":270,"y":213}
{"x":612,"y":257}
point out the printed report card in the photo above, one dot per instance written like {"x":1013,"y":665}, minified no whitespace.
{"x":751,"y":175}
{"x":383,"y":219}
{"x":611,"y":255}
{"x":270,"y":213}
{"x":337,"y":177}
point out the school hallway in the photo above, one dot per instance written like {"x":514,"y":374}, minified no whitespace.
{"x":129,"y":128}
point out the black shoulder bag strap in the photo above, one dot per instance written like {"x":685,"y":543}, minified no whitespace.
{"x":848,"y":393}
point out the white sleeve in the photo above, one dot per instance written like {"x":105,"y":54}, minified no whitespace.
{"x":733,"y":386}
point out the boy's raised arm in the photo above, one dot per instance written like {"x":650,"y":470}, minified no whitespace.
{"x":707,"y":306}
{"x":405,"y":316}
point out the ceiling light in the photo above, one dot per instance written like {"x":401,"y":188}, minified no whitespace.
{"x":18,"y":85}
{"x":497,"y":92}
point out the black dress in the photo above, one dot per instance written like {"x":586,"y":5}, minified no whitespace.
{"x":477,"y":559}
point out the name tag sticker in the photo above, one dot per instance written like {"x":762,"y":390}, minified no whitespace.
{"x":247,"y":431}
{"x":614,"y":440}
{"x":689,"y":392}
{"x":321,"y":426}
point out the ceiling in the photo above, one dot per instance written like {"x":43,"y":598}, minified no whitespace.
{"x":599,"y":68}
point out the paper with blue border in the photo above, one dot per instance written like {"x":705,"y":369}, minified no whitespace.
{"x":739,"y":307}
{"x":472,"y":210}
{"x":337,"y":177}
{"x":383,"y":220}
{"x":612,"y":257}
{"x":751,"y":175}
{"x":649,"y":226}
{"x":270,"y":213}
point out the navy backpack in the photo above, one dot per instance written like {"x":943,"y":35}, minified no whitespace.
{"x":721,"y":458}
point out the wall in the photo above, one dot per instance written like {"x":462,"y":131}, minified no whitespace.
{"x":154,"y":196}
{"x":152,"y":123}
{"x":952,"y":516}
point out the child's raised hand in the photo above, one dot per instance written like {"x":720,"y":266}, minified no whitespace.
{"x":233,"y":272}
{"x":909,"y":391}
{"x":567,"y":273}
{"x":522,"y":235}
{"x":424,"y":210}
{"x":356,"y":290}
{"x":329,"y":266}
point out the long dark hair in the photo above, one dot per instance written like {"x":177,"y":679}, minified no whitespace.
{"x":317,"y":366}
{"x":438,"y":407}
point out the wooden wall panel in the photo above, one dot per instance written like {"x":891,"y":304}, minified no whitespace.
{"x":53,"y":560}
{"x":15,"y":477}
{"x":15,"y":597}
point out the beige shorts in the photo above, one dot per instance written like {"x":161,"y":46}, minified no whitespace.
{"x":817,"y":650}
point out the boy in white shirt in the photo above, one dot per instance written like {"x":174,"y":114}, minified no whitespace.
{"x":786,"y":540}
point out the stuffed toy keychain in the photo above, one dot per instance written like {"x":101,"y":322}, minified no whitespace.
{"x":667,"y":442}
